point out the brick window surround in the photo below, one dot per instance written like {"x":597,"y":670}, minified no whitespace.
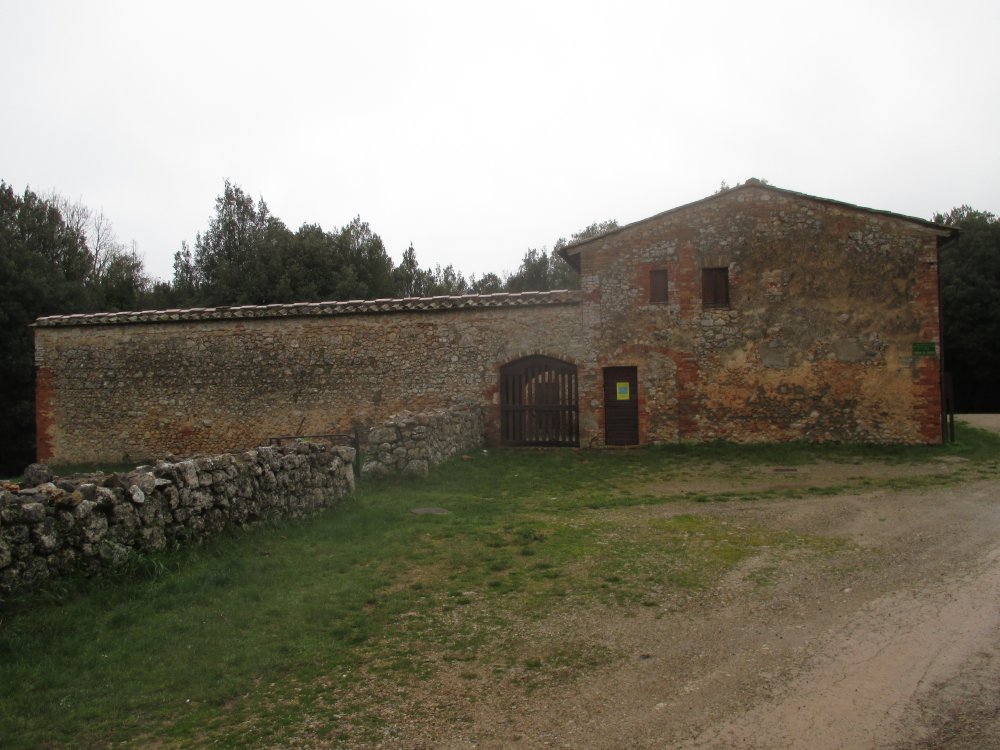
{"x":714,"y":287}
{"x":658,"y":287}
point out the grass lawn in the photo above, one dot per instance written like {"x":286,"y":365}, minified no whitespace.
{"x":277,"y":634}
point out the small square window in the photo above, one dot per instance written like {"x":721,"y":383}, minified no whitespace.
{"x":715,"y":287}
{"x":657,"y":287}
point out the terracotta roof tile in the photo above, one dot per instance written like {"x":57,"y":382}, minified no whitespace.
{"x":301,"y":309}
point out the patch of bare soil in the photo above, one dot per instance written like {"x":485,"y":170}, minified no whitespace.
{"x":878,"y":647}
{"x":982,"y":421}
{"x":892,"y":642}
{"x":718,"y":479}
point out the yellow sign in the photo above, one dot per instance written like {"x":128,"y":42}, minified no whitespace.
{"x":622,"y":390}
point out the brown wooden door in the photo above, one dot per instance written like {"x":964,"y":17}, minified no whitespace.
{"x":539,"y":402}
{"x":621,"y":406}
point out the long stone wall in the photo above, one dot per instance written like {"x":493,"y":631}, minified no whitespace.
{"x":91,"y":523}
{"x":134,"y":387}
{"x":410,"y":444}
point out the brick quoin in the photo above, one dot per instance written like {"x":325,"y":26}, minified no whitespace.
{"x":44,"y":423}
{"x":929,"y":368}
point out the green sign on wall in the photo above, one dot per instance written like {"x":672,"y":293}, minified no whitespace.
{"x":924,"y":349}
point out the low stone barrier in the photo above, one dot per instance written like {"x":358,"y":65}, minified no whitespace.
{"x":409,"y":444}
{"x":89,"y":523}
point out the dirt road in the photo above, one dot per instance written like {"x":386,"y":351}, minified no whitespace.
{"x":893,"y":643}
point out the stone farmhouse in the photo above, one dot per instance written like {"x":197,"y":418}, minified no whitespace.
{"x":756,"y":314}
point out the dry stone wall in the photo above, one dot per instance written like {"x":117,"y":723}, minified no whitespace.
{"x":410,"y":444}
{"x":92,"y":523}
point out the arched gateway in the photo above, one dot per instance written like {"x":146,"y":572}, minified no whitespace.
{"x":539,"y":402}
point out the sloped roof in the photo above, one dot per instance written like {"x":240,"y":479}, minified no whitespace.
{"x":310,"y":309}
{"x":943,"y":231}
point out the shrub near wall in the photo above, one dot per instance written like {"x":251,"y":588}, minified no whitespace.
{"x":98,"y":522}
{"x":410,"y":443}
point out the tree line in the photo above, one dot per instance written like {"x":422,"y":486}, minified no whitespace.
{"x":61,"y":257}
{"x":247,"y":255}
{"x":970,"y":308}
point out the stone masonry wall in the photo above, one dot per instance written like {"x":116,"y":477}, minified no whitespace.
{"x":177,"y":383}
{"x":826,"y":303}
{"x":89,"y":524}
{"x":832,"y":333}
{"x":410,"y":444}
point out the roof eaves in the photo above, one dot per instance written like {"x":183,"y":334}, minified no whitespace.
{"x":306,"y":309}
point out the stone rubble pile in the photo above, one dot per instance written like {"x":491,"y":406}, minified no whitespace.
{"x":86,"y":524}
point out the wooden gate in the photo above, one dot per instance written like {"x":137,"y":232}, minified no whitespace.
{"x":621,"y":406}
{"x":539,"y":402}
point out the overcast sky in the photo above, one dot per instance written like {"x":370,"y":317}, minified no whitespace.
{"x":477,"y":131}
